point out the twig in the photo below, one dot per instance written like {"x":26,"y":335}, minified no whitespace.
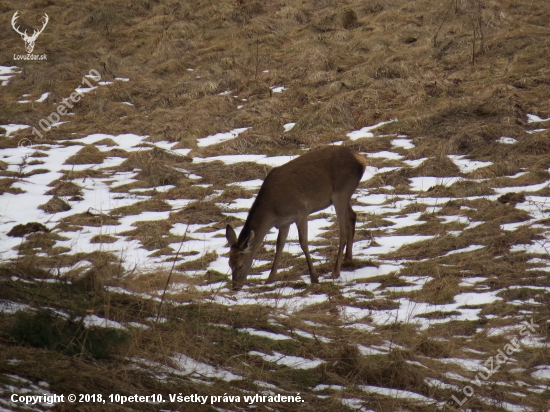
{"x":257,"y":55}
{"x":173,"y":265}
{"x":474,"y":48}
{"x":480,"y":24}
{"x":442,"y":22}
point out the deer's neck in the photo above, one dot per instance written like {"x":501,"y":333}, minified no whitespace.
{"x":257,"y":222}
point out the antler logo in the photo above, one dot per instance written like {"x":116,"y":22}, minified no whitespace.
{"x":29,"y":40}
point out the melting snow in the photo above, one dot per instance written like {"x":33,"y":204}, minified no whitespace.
{"x":366,"y":131}
{"x":289,"y":126}
{"x":542,"y":372}
{"x":265,"y":334}
{"x":423,"y":183}
{"x":467,"y":165}
{"x":229,"y":159}
{"x":507,"y":140}
{"x":11,"y":128}
{"x":533,"y":118}
{"x":124,"y":141}
{"x":220,"y":137}
{"x":415,"y":162}
{"x":354,"y":284}
{"x":403,"y":143}
{"x":275,"y":161}
{"x":295,"y":362}
{"x":8,"y":307}
{"x":466,"y":249}
{"x":6,"y":72}
{"x":193,"y":367}
{"x":93,"y":320}
{"x":386,"y":155}
{"x":249,"y":184}
{"x":398,"y":393}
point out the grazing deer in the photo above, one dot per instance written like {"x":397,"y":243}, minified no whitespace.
{"x":289,"y":194}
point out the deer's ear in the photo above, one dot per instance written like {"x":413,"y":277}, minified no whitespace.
{"x":230,"y":235}
{"x":249,"y":242}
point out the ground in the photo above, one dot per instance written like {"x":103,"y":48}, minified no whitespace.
{"x":113,"y":208}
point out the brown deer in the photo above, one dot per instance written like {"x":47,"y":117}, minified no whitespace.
{"x":289,"y":194}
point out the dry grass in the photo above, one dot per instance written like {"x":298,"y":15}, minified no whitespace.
{"x":87,"y":155}
{"x":55,"y":205}
{"x":345,"y":66}
{"x":5,"y":186}
{"x":149,"y":205}
{"x":65,"y":189}
{"x":90,"y":218}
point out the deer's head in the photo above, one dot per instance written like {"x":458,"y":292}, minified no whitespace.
{"x":240,"y":256}
{"x":29,"y":40}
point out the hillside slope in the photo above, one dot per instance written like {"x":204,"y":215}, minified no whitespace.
{"x":173,"y":112}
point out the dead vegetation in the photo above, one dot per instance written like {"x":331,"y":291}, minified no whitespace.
{"x":55,"y":205}
{"x":457,"y":77}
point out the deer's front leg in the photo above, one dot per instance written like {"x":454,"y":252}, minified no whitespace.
{"x":281,"y":240}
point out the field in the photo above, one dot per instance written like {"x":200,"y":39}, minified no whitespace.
{"x":151,"y":126}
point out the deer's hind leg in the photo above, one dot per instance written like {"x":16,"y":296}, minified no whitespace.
{"x":351,"y":220}
{"x":346,"y":223}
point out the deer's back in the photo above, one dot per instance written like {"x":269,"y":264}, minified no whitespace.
{"x":307,"y":183}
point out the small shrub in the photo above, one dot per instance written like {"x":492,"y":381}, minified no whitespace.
{"x":24,"y":229}
{"x":37,"y":330}
{"x":55,"y":205}
{"x":349,"y":19}
{"x":45,"y":330}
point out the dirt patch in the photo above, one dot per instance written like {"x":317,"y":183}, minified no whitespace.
{"x":440,"y":166}
{"x":87,"y":155}
{"x":65,"y":189}
{"x":512,"y":198}
{"x":6,"y":187}
{"x":103,"y":239}
{"x":461,"y":188}
{"x":25,"y":229}
{"x":221,"y":174}
{"x":90,"y":218}
{"x":200,"y":212}
{"x":149,"y":205}
{"x":55,"y":205}
{"x":152,"y":234}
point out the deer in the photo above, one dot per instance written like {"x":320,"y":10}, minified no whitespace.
{"x":289,"y":194}
{"x":29,"y":40}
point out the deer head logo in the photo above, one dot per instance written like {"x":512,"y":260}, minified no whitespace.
{"x":29,"y":40}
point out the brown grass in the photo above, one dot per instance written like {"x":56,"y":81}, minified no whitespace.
{"x":55,"y":205}
{"x":24,"y":229}
{"x":149,"y":205}
{"x":87,"y":155}
{"x":5,"y":187}
{"x":103,"y":239}
{"x":65,"y":189}
{"x":90,"y":218}
{"x":345,"y":66}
